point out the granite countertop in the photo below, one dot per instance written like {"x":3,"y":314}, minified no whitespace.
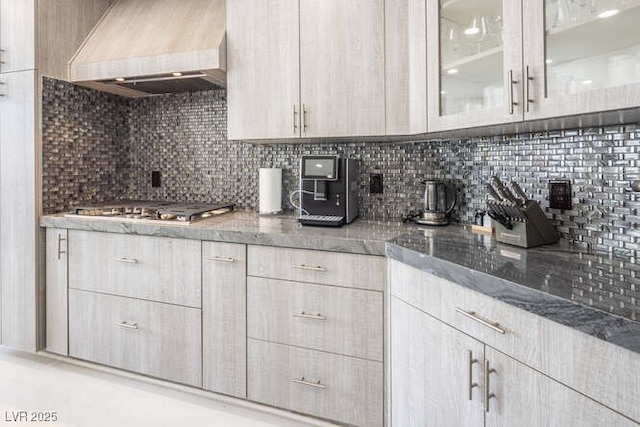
{"x":594,"y":293}
{"x":361,"y":236}
{"x":598,"y":294}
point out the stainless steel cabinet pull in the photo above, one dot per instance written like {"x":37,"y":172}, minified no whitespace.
{"x":126,"y":325}
{"x":527,"y":90}
{"x":223,"y":259}
{"x":511,"y":83}
{"x":310,"y":384}
{"x":304,"y":118}
{"x":127,"y":260}
{"x":308,"y":267}
{"x":472,"y":315}
{"x":310,"y":316}
{"x":60,"y":240}
{"x":487,"y":390}
{"x":295,"y":121}
{"x":472,"y":385}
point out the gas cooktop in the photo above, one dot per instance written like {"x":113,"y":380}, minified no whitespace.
{"x":179,"y":212}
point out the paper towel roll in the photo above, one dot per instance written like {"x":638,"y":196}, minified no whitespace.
{"x":270,"y":183}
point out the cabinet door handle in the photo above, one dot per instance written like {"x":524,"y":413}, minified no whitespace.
{"x":487,"y":389}
{"x":308,"y":383}
{"x":126,"y":325}
{"x":60,"y":251}
{"x":222,"y":259}
{"x":304,"y":118}
{"x":295,"y":121}
{"x":127,"y":260}
{"x":308,"y":267}
{"x":511,"y":83}
{"x":527,"y":89}
{"x":310,"y":316}
{"x":472,"y":385}
{"x":472,"y":315}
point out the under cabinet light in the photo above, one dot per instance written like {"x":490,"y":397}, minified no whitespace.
{"x":452,"y":71}
{"x":608,"y":13}
{"x":120,"y":79}
{"x":176,"y":74}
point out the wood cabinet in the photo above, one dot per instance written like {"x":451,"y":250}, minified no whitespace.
{"x":32,"y":41}
{"x":497,"y":61}
{"x":134,"y":303}
{"x":18,"y":210}
{"x":224,"y":318}
{"x":17,"y":35}
{"x":405,"y":67}
{"x":315,"y":319}
{"x":302,"y":68}
{"x":534,"y":373}
{"x":163,"y":340}
{"x":153,"y":268}
{"x":323,"y":384}
{"x":57,"y":339}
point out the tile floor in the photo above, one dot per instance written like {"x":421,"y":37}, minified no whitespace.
{"x":82,"y":395}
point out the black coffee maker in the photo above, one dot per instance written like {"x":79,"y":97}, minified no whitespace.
{"x":328,"y":190}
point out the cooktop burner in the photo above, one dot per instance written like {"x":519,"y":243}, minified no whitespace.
{"x":153,"y":210}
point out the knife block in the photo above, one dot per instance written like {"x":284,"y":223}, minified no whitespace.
{"x":535,"y":231}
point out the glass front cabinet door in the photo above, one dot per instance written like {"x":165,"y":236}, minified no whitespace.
{"x":474,"y":51}
{"x":580,"y":56}
{"x":503,"y":61}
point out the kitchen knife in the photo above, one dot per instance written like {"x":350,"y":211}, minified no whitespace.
{"x":504,"y":191}
{"x":493,"y":193}
{"x":502,"y":220}
{"x":521,"y":194}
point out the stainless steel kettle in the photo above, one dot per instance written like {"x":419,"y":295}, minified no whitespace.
{"x":439,"y":201}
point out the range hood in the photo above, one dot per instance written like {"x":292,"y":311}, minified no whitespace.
{"x":150,"y":47}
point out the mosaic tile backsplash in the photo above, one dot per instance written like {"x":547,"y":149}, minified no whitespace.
{"x":97,"y":147}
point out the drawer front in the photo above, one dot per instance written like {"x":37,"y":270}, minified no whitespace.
{"x":585,"y":363}
{"x":340,"y":388}
{"x":152,"y":268}
{"x":328,"y":318}
{"x":331,"y":268}
{"x":224,"y":317}
{"x":151,"y":338}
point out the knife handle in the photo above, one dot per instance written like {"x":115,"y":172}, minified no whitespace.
{"x":492,"y":192}
{"x":516,"y":187}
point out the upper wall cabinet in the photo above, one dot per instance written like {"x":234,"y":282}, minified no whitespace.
{"x":304,"y":68}
{"x":499,"y":61}
{"x":405,"y":67}
{"x":17,"y":35}
{"x":580,"y":56}
{"x":475,"y":58}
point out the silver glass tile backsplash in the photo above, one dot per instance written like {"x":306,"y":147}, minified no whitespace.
{"x":97,"y":146}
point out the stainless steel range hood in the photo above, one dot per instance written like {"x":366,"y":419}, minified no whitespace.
{"x":150,"y":47}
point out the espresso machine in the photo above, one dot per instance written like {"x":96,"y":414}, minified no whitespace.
{"x":328,"y":190}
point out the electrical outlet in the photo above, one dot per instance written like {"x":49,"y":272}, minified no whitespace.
{"x":376,"y":185}
{"x":560,"y":194}
{"x":155,"y":178}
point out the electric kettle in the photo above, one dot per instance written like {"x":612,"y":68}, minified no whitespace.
{"x":439,"y":201}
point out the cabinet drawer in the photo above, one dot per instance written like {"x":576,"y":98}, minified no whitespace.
{"x":152,"y":268}
{"x":151,"y":338}
{"x":326,"y":385}
{"x":328,"y":318}
{"x":331,"y":268}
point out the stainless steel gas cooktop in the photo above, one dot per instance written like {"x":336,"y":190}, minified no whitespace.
{"x":179,"y":212}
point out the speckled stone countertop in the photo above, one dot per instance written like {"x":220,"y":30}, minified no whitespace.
{"x":597,"y":294}
{"x":594,"y":293}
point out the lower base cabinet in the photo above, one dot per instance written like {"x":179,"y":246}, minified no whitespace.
{"x":443,"y":377}
{"x":327,"y":385}
{"x":157,"y":339}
